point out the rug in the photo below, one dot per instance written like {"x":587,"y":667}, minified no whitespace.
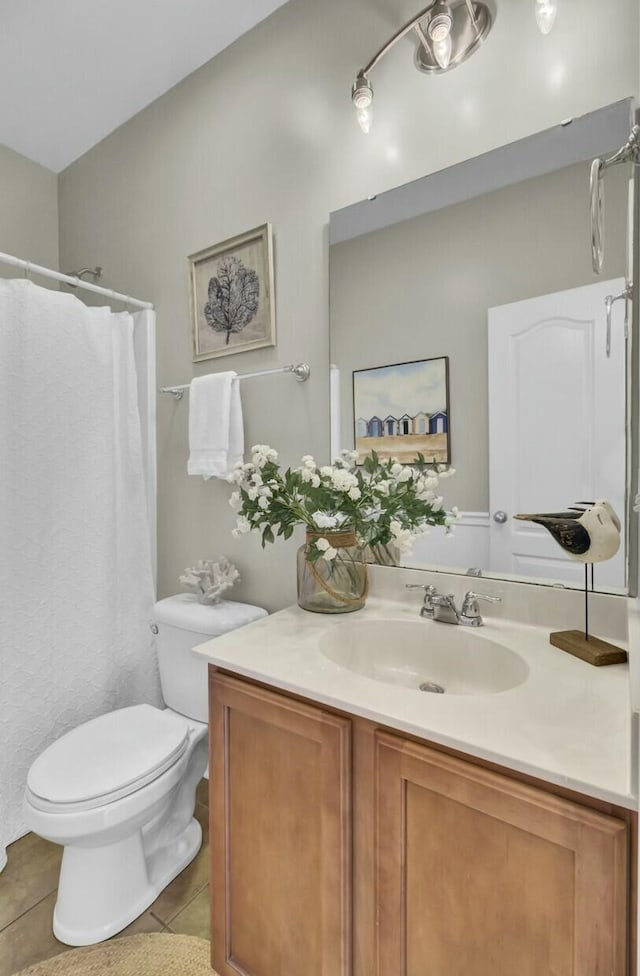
{"x":155,"y":954}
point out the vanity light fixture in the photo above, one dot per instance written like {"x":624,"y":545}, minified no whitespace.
{"x":545,"y":11}
{"x":447,"y":31}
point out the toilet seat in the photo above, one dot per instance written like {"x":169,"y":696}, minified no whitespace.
{"x":106,"y":759}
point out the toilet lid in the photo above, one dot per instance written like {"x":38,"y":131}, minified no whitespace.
{"x":116,"y":753}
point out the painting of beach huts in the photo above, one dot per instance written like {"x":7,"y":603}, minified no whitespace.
{"x":402,"y":410}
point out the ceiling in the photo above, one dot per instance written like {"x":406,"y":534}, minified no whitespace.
{"x":71,"y":71}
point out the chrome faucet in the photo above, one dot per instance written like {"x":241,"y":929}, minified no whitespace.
{"x":442,"y":607}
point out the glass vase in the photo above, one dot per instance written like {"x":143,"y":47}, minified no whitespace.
{"x":383,"y":554}
{"x":338,"y":585}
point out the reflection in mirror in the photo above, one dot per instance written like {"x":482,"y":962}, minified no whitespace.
{"x":501,"y":284}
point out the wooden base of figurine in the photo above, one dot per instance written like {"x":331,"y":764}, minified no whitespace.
{"x":593,"y":651}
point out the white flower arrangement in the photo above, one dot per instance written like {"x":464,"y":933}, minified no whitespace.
{"x":210,"y":578}
{"x":382,"y":501}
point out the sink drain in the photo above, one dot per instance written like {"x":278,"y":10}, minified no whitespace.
{"x":432,"y":687}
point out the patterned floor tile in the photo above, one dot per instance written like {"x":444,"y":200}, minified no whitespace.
{"x":194,"y":918}
{"x":32,"y":872}
{"x":202,"y":793}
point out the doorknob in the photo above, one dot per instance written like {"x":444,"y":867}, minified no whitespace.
{"x":500,"y":517}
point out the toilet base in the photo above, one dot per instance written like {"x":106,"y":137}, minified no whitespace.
{"x":103,"y":889}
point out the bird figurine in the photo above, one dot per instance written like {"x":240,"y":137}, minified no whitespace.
{"x":589,"y":532}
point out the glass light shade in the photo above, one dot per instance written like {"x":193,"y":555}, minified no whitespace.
{"x":442,"y":51}
{"x":545,"y":11}
{"x":362,"y":97}
{"x":365,"y":118}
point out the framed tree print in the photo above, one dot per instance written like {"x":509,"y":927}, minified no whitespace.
{"x":232,"y":295}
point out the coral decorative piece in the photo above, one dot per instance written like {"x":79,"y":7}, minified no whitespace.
{"x":210,"y":578}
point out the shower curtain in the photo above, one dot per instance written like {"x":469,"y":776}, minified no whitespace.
{"x":76,"y":585}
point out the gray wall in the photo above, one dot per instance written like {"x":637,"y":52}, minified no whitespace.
{"x":421,"y":289}
{"x":266,"y":131}
{"x":28,"y":211}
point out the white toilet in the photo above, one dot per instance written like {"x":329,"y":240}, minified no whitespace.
{"x":119,"y":791}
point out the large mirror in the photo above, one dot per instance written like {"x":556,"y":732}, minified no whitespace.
{"x":467,"y":323}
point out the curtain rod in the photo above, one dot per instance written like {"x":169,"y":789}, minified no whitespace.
{"x":29,"y":267}
{"x":301,"y":373}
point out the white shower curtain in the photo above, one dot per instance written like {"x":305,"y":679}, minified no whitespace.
{"x":76,"y":586}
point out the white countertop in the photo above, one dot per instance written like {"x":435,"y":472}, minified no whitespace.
{"x":569,"y":723}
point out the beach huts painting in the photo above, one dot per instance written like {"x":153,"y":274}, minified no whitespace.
{"x":403,"y":410}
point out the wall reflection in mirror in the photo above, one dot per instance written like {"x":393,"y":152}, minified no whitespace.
{"x":501,"y":285}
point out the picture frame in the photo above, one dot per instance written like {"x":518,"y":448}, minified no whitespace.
{"x":402,"y":409}
{"x":231,"y":290}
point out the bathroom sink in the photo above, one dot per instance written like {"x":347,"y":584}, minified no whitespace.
{"x":425,"y":657}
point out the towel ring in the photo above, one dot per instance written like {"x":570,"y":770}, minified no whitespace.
{"x":629,"y":153}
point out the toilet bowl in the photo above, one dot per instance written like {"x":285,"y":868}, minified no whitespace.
{"x":119,"y":792}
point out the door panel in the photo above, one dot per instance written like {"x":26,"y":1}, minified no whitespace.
{"x":280,"y":835}
{"x":556,"y":424}
{"x":479,"y":874}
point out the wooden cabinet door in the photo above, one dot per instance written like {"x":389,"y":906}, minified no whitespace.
{"x":478,"y":874}
{"x":280,"y":834}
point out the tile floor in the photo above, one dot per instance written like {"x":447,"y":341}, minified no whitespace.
{"x":28,"y":894}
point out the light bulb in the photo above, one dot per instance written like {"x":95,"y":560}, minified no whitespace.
{"x":442,"y":51}
{"x":362,"y":98}
{"x":365,"y":118}
{"x":546,"y":11}
{"x":439,"y":31}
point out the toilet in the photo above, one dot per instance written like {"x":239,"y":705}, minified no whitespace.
{"x":118,"y":792}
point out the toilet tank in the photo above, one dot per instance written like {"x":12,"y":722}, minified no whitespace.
{"x":182,"y":623}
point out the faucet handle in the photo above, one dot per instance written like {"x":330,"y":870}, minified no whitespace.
{"x":427,"y":609}
{"x":470,"y":612}
{"x":470,"y":595}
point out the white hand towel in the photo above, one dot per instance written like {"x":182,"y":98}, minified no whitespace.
{"x":216,"y":436}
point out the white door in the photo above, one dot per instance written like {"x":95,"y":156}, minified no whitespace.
{"x":556,"y":425}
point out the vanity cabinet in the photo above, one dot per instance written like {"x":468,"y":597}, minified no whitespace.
{"x":447,"y":867}
{"x":476,"y":873}
{"x":281,"y":841}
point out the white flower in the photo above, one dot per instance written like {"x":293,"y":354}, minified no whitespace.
{"x":257,"y":479}
{"x":437,"y":504}
{"x":261,"y":453}
{"x":309,"y":462}
{"x":235,"y":501}
{"x":327,"y":471}
{"x":343,"y":480}
{"x":405,"y":475}
{"x":252,"y":493}
{"x":426,"y":496}
{"x":349,"y":458}
{"x":396,"y":469}
{"x":330,"y":554}
{"x":236,"y":475}
{"x":402,"y":538}
{"x":325,"y":521}
{"x":354,"y":493}
{"x":243,"y":525}
{"x":383,"y":487}
{"x":445,"y":472}
{"x":315,"y":481}
{"x":263,"y":502}
{"x":323,"y":544}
